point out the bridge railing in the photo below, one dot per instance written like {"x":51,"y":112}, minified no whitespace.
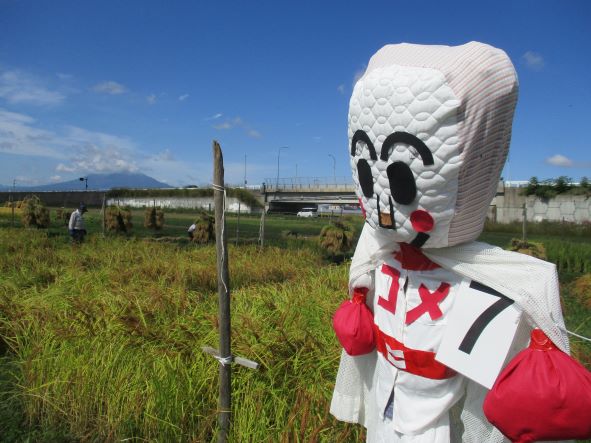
{"x":294,"y":184}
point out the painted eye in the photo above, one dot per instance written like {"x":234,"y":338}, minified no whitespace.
{"x":365,"y":177}
{"x":402,"y":183}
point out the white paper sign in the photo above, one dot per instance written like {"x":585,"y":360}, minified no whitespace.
{"x":479,"y":332}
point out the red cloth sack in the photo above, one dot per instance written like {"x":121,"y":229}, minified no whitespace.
{"x":543,"y":394}
{"x":353,"y":324}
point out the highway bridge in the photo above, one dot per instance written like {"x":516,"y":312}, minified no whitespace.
{"x":296,"y":193}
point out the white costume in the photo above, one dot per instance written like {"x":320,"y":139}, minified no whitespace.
{"x":429,"y":130}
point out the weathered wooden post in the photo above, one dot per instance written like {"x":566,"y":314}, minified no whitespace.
{"x":262,"y":223}
{"x":223,"y":355}
{"x":524,"y":239}
{"x":225,"y":367}
{"x":238,"y":225}
{"x":104,"y":215}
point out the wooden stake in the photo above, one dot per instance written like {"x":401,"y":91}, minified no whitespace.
{"x":524,"y":228}
{"x":225,"y":367}
{"x":103,"y":211}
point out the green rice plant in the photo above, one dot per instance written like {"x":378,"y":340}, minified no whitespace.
{"x":103,"y":346}
{"x":103,"y":343}
{"x":569,"y":256}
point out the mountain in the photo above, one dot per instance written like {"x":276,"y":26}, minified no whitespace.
{"x":98,"y":182}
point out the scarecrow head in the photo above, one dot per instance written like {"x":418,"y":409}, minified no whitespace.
{"x":429,"y":132}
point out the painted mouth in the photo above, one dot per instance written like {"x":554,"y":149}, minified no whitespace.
{"x":385,"y":219}
{"x":421,"y":221}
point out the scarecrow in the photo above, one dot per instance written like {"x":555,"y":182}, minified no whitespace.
{"x":429,"y":132}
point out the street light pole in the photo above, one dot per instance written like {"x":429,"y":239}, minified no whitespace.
{"x":244,"y":171}
{"x":334,"y":168}
{"x":278,"y":156}
{"x":85,"y":180}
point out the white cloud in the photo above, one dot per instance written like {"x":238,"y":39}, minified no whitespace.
{"x":20,"y":87}
{"x":560,"y":160}
{"x":63,"y":76}
{"x":165,"y":156}
{"x":183,"y":97}
{"x":533,"y":60}
{"x":213,"y":117}
{"x":110,"y":87}
{"x":63,"y":168}
{"x":77,"y":149}
{"x":341,"y":88}
{"x":55,"y":178}
{"x":565,"y":162}
{"x":253,"y":133}
{"x":20,"y":136}
{"x":237,"y":122}
{"x":151,"y":99}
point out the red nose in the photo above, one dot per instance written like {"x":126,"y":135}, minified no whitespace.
{"x":421,"y":221}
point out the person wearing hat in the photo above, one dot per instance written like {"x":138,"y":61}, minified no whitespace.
{"x":76,"y":225}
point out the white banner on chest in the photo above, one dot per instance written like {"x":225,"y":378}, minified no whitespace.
{"x":479,"y":333}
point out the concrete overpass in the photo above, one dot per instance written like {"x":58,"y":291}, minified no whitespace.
{"x":294,"y":194}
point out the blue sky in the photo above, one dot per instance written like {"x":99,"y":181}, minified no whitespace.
{"x":145,"y":86}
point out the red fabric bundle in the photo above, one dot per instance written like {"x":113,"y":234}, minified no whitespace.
{"x":353,"y":324}
{"x":543,"y":394}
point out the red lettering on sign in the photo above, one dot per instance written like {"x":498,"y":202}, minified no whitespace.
{"x":390,"y":304}
{"x":429,"y":303}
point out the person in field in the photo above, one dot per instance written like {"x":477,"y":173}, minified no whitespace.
{"x":191,"y":231}
{"x":76,"y":226}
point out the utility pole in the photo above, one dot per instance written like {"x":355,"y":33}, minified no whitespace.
{"x":334,"y":168}
{"x":85,"y":180}
{"x":278,"y":156}
{"x":244,"y":171}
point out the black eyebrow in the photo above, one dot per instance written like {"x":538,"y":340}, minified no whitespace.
{"x":362,"y":136}
{"x":408,"y":139}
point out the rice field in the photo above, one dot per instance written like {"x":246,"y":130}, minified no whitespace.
{"x":102,"y":341}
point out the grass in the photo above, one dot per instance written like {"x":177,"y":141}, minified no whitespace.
{"x":105,"y":343}
{"x":102,"y":342}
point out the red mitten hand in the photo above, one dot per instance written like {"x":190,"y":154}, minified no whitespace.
{"x":353,"y":324}
{"x":542,"y":394}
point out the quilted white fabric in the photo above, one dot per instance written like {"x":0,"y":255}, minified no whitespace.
{"x":418,"y":101}
{"x":460,"y":102}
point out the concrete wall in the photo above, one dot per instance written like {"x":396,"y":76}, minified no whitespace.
{"x":232,"y":203}
{"x":508,"y":206}
{"x":69,"y":199}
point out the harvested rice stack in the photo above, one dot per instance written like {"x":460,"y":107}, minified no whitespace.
{"x":336,"y":238}
{"x":63,"y":214}
{"x":34,"y":213}
{"x":534,"y":249}
{"x":204,"y":228}
{"x":582,"y":289}
{"x":154,"y":218}
{"x":118,"y":219}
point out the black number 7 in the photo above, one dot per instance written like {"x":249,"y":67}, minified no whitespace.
{"x":485,"y":318}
